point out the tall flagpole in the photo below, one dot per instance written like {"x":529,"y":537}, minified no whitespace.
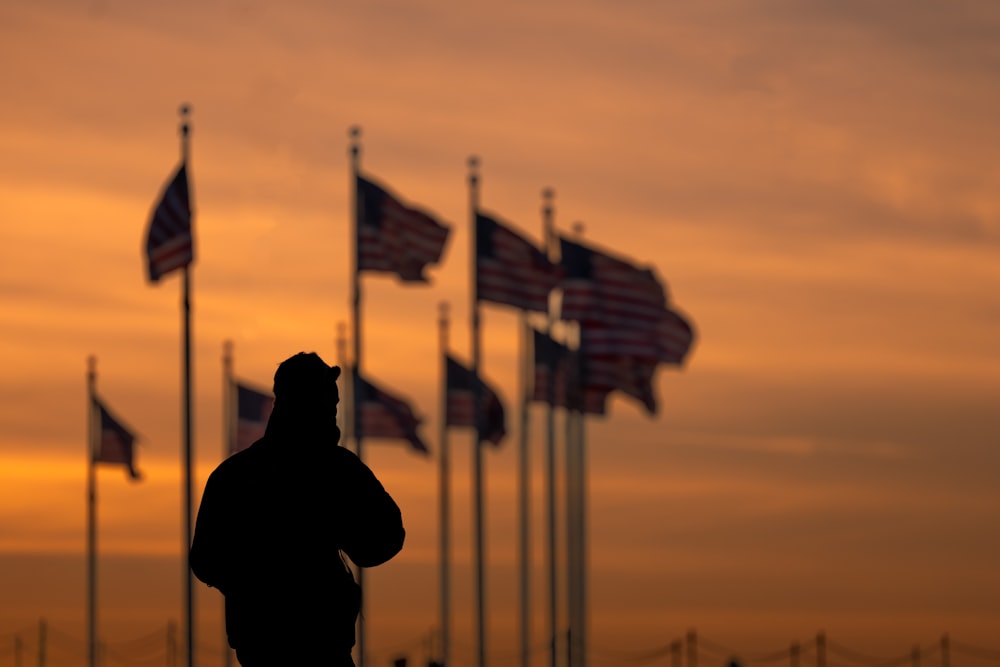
{"x":344,"y":416}
{"x":581,"y":545}
{"x":576,"y":492}
{"x":550,"y":452}
{"x":355,"y":156}
{"x":185,"y":110}
{"x":229,"y":418}
{"x":524,"y":495}
{"x":229,"y":415}
{"x":572,"y":556}
{"x":576,"y":502}
{"x":444,"y":480}
{"x":92,"y":427}
{"x":477,"y":450}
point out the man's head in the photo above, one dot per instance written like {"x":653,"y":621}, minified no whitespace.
{"x":305,"y":389}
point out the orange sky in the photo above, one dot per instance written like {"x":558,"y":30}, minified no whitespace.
{"x":816,"y":182}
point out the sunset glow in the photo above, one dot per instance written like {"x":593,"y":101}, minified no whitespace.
{"x":816,"y":183}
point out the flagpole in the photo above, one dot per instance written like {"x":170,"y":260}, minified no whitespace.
{"x":575,"y":521}
{"x":477,"y":450}
{"x":344,"y":416}
{"x":581,"y":536}
{"x":550,"y":449}
{"x":524,"y":497}
{"x":444,"y":479}
{"x":355,"y":159}
{"x":185,"y":111}
{"x":228,"y":413}
{"x":91,"y":516}
{"x":571,"y":538}
{"x":576,"y":497}
{"x":229,"y":418}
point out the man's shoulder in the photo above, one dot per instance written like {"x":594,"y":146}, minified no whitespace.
{"x":344,"y":465}
{"x":342,"y":453}
{"x":245,"y":458}
{"x":262,"y":455}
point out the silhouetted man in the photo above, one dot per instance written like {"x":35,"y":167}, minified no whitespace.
{"x":274,"y":519}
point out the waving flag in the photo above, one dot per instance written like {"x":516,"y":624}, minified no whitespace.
{"x":115,"y":442}
{"x":253,"y":409}
{"x":459,"y":398}
{"x":510,"y":270}
{"x":599,"y":288}
{"x":626,"y":327}
{"x":384,"y":415}
{"x":393,"y":237}
{"x":169,"y":239}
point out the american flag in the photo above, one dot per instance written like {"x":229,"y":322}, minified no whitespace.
{"x":566,"y":370}
{"x":394,"y":238}
{"x":622,"y":308}
{"x":115,"y":442}
{"x":602,"y":289}
{"x":384,"y":415}
{"x":169,"y":239}
{"x":253,"y":409}
{"x":459,"y":398}
{"x":626,"y":326}
{"x":510,"y":270}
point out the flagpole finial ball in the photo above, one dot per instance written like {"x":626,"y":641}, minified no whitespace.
{"x":473,"y":163}
{"x":184,"y":111}
{"x":548,"y":194}
{"x":354,"y":132}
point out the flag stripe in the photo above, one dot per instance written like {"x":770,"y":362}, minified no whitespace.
{"x":379,"y":422}
{"x":169,"y":238}
{"x":459,"y":408}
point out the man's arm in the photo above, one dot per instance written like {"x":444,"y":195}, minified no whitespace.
{"x":373,"y":526}
{"x":208,"y":558}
